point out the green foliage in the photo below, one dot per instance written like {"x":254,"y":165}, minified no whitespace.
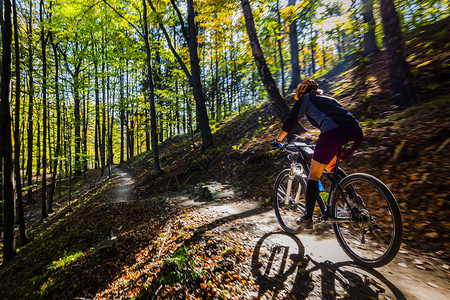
{"x":67,"y":258}
{"x":419,"y":13}
{"x":180,"y":267}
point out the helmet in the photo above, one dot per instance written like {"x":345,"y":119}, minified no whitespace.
{"x":305,"y":87}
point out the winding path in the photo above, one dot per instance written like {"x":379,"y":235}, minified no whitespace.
{"x":124,"y":186}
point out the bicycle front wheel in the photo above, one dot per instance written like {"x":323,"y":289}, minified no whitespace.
{"x":289,"y":210}
{"x":373,"y":235}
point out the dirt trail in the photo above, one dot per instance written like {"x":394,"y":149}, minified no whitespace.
{"x":312,"y":264}
{"x":124,"y":185}
{"x":280,"y":259}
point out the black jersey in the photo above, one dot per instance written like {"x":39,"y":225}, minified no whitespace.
{"x":322,"y":112}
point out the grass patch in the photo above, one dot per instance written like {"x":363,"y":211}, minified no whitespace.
{"x":66,"y":259}
{"x":180,"y":267}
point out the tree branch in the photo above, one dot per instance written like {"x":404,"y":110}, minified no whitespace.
{"x":169,"y":42}
{"x":86,"y":11}
{"x":180,"y":17}
{"x":120,"y":15}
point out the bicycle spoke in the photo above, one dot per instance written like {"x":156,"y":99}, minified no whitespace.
{"x":351,"y":235}
{"x":288,"y":212}
{"x":374,"y":235}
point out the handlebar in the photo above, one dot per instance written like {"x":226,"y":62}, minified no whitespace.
{"x":294,"y":147}
{"x":297,"y":145}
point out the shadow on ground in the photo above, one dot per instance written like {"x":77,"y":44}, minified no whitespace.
{"x":279,"y":264}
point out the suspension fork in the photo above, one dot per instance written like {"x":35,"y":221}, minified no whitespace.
{"x":289,"y":184}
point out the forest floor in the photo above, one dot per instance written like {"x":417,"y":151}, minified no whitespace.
{"x":136,"y":234}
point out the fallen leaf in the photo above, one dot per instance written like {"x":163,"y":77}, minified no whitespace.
{"x":432,"y":235}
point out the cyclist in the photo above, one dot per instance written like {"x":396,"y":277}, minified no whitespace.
{"x":337,"y":126}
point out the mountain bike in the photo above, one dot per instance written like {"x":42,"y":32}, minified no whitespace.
{"x":365,"y":215}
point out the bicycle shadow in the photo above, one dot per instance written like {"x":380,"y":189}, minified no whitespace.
{"x":280,"y":265}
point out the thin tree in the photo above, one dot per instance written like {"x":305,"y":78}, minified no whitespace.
{"x":369,"y":41}
{"x":280,"y":49}
{"x":6,"y":136}
{"x":103,"y":134}
{"x":30,"y":104}
{"x":20,"y":212}
{"x":85,"y":133}
{"x":313,"y":45}
{"x":151,"y":95}
{"x":295,"y":63}
{"x":76,"y":84}
{"x":195,"y":75}
{"x":275,"y":97}
{"x":58,"y":153}
{"x":44,"y":112}
{"x":97,"y":106}
{"x":401,"y":80}
{"x":121,"y":115}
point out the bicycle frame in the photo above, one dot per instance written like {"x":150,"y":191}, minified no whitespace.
{"x":303,"y":162}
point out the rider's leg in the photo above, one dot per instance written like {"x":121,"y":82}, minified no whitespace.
{"x":332,"y":164}
{"x":312,"y":187}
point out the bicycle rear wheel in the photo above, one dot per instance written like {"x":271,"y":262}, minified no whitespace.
{"x":289,"y":211}
{"x":373,"y":236}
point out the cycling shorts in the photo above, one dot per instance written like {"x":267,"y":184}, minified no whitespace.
{"x":330,"y":141}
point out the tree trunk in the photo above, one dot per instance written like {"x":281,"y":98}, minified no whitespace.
{"x":30,"y":106}
{"x":148,"y":143}
{"x":85,"y":133}
{"x":151,"y":96}
{"x":280,"y":49}
{"x":400,"y":75}
{"x":199,"y":96}
{"x":122,"y":116}
{"x":313,"y":50}
{"x":97,"y":111}
{"x":295,"y":63}
{"x":6,"y":136}
{"x":57,"y":157}
{"x":339,"y":43}
{"x":66,"y":139}
{"x":272,"y":90}
{"x":110,"y":129}
{"x":20,"y":213}
{"x":370,"y":41}
{"x":127,"y":111}
{"x":44,"y":114}
{"x":77,"y":121}
{"x":103,"y":135}
{"x":202,"y":116}
{"x":216,"y":89}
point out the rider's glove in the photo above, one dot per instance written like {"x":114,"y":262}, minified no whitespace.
{"x":276,"y":144}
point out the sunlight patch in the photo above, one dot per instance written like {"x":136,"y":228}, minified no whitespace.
{"x":66,"y":259}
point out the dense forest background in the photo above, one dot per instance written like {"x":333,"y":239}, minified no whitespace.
{"x":89,"y":84}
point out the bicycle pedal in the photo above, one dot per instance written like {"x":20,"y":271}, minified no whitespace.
{"x":318,"y":221}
